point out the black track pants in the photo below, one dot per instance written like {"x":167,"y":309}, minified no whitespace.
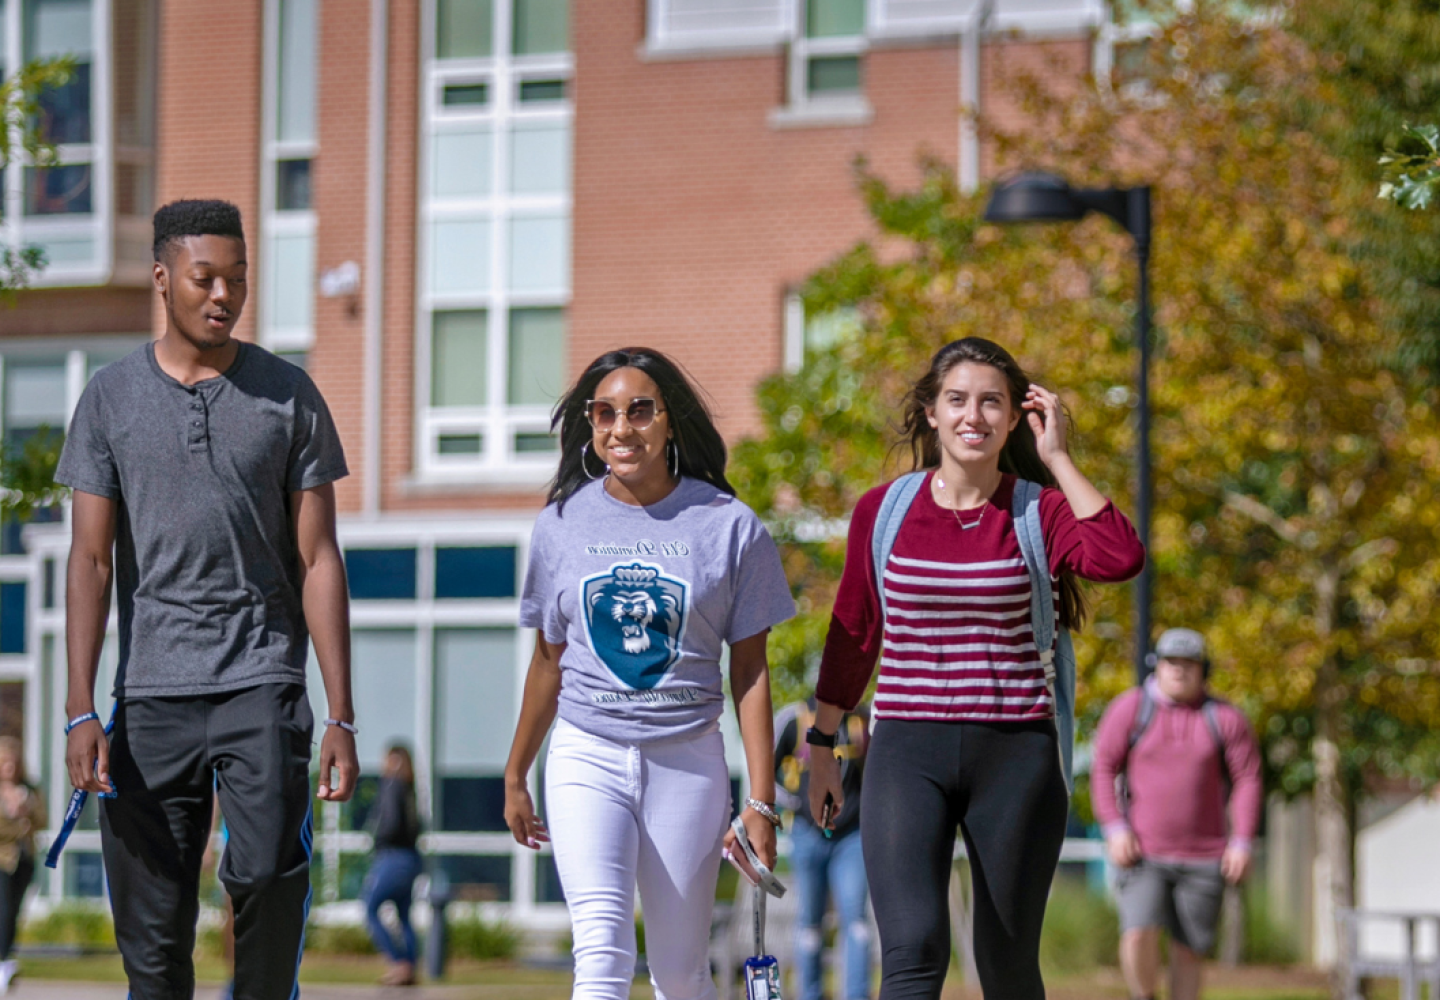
{"x":168,"y":757}
{"x":1001,"y":784}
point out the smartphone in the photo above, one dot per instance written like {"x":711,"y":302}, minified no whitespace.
{"x":742,"y":865}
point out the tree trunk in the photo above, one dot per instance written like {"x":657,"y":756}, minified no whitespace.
{"x":1332,"y":817}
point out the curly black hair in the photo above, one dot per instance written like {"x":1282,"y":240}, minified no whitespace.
{"x":195,"y":217}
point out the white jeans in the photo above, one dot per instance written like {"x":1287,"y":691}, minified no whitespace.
{"x":649,"y":816}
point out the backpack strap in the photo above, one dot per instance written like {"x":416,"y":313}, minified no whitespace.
{"x":1049,"y":637}
{"x":893,"y":508}
{"x":1025,"y":512}
{"x":1144,"y":715}
{"x":1211,"y":711}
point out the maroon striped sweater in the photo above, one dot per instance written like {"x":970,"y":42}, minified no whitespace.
{"x":958,"y":646}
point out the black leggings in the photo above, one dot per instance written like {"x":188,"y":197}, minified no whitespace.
{"x":1001,"y":784}
{"x":12,"y":896}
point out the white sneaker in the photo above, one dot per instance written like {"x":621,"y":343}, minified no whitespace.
{"x":8,"y":968}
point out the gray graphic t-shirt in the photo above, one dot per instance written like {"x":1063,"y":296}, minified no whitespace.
{"x":644,"y":597}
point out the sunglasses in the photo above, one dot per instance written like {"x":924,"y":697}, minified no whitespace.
{"x":640,"y":414}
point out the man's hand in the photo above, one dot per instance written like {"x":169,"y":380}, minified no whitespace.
{"x":87,"y":758}
{"x":825,"y":780}
{"x":337,"y":753}
{"x":1235,"y":864}
{"x":1124,"y":848}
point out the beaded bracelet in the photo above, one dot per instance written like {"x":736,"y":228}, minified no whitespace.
{"x":767,"y":810}
{"x":343,"y":725}
{"x":80,"y":720}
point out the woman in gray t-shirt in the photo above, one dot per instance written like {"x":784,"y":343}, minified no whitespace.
{"x":642,"y":565}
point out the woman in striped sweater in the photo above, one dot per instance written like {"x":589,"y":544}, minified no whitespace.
{"x":964,"y":720}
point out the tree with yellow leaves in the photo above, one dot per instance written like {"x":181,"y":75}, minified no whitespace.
{"x":1297,"y":477}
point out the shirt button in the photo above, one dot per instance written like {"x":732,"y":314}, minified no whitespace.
{"x":197,"y":423}
{"x":196,"y":406}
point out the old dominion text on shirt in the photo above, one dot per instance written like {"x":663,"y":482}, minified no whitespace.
{"x":645,"y":598}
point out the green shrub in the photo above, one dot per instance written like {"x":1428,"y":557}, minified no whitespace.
{"x":1082,"y":929}
{"x":78,"y":925}
{"x":338,"y":939}
{"x":1267,"y":940}
{"x":477,"y":938}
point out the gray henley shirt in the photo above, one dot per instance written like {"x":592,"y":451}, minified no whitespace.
{"x":206,"y":567}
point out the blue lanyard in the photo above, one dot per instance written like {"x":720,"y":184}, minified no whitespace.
{"x":72,"y":813}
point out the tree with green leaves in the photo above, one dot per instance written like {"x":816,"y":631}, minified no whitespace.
{"x":1378,"y":69}
{"x":1297,"y":470}
{"x":1412,"y":179}
{"x":21,"y":131}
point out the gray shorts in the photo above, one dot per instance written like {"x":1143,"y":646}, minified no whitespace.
{"x":1182,"y":896}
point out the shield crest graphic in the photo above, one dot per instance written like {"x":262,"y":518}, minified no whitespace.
{"x":635,"y":618}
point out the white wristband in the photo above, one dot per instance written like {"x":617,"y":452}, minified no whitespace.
{"x":343,"y":725}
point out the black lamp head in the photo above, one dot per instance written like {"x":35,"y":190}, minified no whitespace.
{"x":1034,"y":196}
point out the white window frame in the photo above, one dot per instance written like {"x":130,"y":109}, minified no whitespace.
{"x":273,"y":222}
{"x":99,"y":225}
{"x":804,"y":109}
{"x":497,"y":422}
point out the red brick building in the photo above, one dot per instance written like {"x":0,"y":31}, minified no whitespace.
{"x":452,"y":206}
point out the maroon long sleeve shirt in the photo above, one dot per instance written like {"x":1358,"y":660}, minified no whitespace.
{"x":957,"y":639}
{"x":1177,"y":806}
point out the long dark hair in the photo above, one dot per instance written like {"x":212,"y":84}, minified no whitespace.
{"x":1019,"y":456}
{"x":700,"y":446}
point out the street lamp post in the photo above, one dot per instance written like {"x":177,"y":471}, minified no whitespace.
{"x":1042,"y":197}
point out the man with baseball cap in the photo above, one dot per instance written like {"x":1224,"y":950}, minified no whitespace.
{"x":1169,"y":759}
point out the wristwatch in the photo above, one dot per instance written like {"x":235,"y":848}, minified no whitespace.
{"x":816,"y":738}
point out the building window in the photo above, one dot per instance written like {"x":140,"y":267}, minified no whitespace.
{"x":12,"y":617}
{"x":100,"y":123}
{"x":39,"y":388}
{"x":808,"y":330}
{"x":495,"y":236}
{"x":381,"y":574}
{"x":826,"y":56}
{"x":288,"y":223}
{"x":475,"y":573}
{"x":84,"y":875}
{"x":475,"y":704}
{"x":383,"y":668}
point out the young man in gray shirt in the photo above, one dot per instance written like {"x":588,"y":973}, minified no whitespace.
{"x":203,"y":471}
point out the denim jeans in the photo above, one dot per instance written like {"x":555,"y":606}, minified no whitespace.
{"x":823,"y":868}
{"x":391,"y":877}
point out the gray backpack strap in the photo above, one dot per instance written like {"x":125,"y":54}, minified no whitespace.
{"x":1144,"y":715}
{"x":893,"y":508}
{"x":1211,"y":711}
{"x":1025,"y":511}
{"x":1052,"y":643}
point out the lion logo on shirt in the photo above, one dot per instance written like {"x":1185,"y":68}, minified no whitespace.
{"x":635,"y":618}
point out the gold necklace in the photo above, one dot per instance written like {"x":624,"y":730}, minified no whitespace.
{"x":940,"y":483}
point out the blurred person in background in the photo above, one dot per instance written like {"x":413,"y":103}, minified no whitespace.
{"x":22,"y":812}
{"x":1169,"y":758}
{"x":827,"y":862}
{"x":395,"y":822}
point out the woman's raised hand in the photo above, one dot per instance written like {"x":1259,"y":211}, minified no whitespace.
{"x":1047,"y":420}
{"x":528,"y":829}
